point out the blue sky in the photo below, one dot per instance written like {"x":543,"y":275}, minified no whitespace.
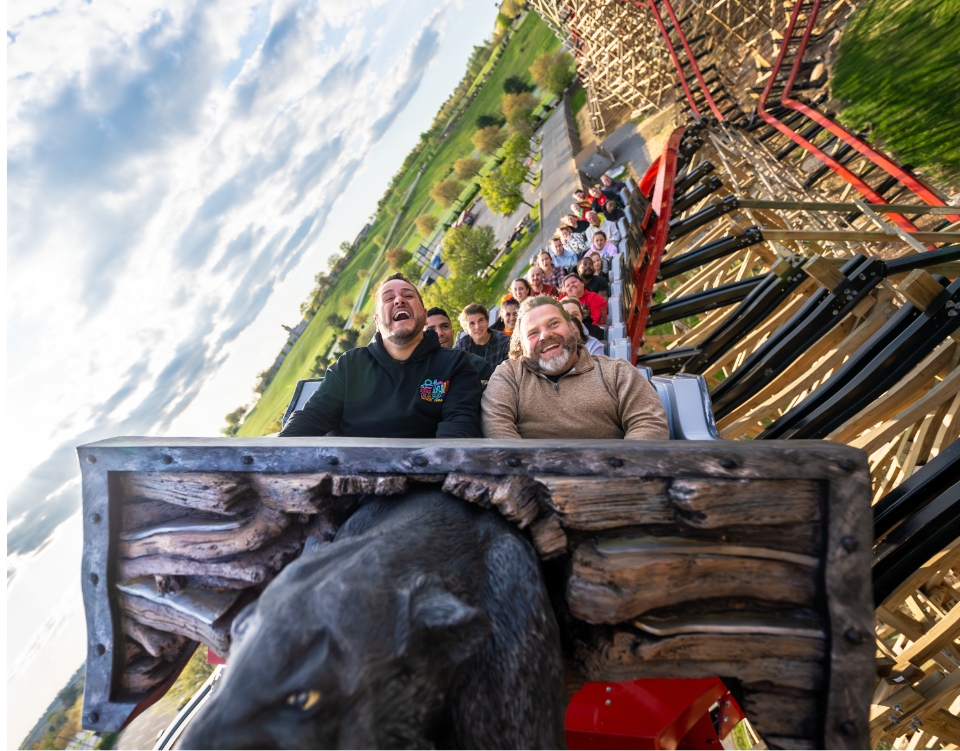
{"x":177,"y":173}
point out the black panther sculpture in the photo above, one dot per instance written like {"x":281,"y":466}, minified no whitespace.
{"x":425,"y":623}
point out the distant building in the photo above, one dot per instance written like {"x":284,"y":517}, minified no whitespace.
{"x":294,"y":335}
{"x":363,"y":233}
{"x":295,"y":332}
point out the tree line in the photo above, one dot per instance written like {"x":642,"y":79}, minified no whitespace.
{"x":505,"y":136}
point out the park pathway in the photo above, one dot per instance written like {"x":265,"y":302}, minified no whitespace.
{"x":557,"y":184}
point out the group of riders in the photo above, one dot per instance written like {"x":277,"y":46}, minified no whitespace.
{"x":538,"y":372}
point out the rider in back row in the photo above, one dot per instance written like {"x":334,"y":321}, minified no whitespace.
{"x":404,"y":384}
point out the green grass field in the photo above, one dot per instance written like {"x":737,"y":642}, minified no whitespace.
{"x":578,"y":101}
{"x":530,"y":39}
{"x":316,"y":340}
{"x":899,"y":68}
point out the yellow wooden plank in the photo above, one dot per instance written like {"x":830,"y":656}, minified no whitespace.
{"x":946,"y":389}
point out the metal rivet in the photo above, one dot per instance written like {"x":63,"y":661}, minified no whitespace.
{"x":898,"y":708}
{"x":728,"y":463}
{"x":615,"y":462}
{"x":95,"y":518}
{"x":91,"y":460}
{"x":100,"y":649}
{"x":849,"y":544}
{"x":608,"y":702}
{"x":333,"y":460}
{"x":853,"y":636}
{"x":94,"y":579}
{"x":894,"y":719}
{"x":609,"y":689}
{"x":246,"y":459}
{"x":166,"y":459}
{"x":847,"y":465}
{"x":94,"y":717}
{"x":848,"y":728}
{"x":421,"y":461}
{"x":513,"y":461}
{"x":726,"y":719}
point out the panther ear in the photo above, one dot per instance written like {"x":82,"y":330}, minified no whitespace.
{"x":243,"y":622}
{"x":445,"y":624}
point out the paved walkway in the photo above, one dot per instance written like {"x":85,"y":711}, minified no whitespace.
{"x":559,"y":173}
{"x":557,"y":184}
{"x":627,"y":145}
{"x":145,"y":730}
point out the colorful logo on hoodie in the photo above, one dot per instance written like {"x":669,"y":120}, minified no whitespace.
{"x":433,"y":391}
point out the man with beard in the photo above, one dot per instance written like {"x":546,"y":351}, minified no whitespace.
{"x":551,"y":387}
{"x":593,"y":280}
{"x":401,"y":385}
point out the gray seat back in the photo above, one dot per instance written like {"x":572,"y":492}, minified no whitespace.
{"x":303,"y":391}
{"x":687,"y":403}
{"x":685,"y":398}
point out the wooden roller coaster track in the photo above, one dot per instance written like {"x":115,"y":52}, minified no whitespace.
{"x":810,"y":278}
{"x":805,"y":275}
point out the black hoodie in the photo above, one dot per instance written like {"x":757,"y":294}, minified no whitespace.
{"x":434,"y":393}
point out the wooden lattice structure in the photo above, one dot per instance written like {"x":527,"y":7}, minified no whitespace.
{"x":766,"y":225}
{"x":620,"y":56}
{"x":624,"y":61}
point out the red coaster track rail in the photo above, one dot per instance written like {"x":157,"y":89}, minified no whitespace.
{"x":655,"y":237}
{"x":798,"y":32}
{"x":671,"y":48}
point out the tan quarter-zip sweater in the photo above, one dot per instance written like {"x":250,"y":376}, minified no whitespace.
{"x":602,"y":397}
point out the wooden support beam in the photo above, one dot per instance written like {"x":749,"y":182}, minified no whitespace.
{"x":920,"y":288}
{"x":941,"y":636}
{"x":855,"y":236}
{"x":943,"y":725}
{"x":813,"y":365}
{"x":940,"y":393}
{"x":824,"y":272}
{"x":883,"y":208}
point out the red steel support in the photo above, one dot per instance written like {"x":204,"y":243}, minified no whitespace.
{"x":654,"y":241}
{"x":693,"y":60}
{"x":836,"y":129}
{"x":673,"y":55}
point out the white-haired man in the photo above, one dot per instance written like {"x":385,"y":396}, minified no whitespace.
{"x":551,"y":387}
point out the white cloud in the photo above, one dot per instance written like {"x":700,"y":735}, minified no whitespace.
{"x":171,"y":166}
{"x":143,"y":191}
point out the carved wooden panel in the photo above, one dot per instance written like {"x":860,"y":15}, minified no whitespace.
{"x":747,"y":561}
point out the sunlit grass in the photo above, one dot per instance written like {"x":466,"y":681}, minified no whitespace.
{"x":899,"y":71}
